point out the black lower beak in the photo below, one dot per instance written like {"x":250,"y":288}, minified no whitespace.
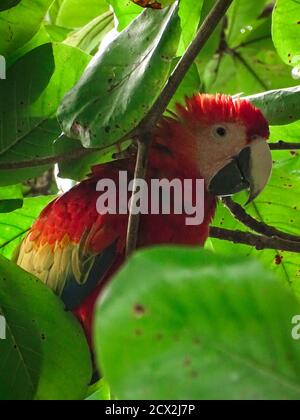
{"x":234,"y":177}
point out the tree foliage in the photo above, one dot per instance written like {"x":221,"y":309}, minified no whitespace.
{"x":212,"y":323}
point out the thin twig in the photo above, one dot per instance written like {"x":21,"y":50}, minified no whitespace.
{"x":256,"y":241}
{"x":140,"y":173}
{"x":242,"y":216}
{"x":282,"y":145}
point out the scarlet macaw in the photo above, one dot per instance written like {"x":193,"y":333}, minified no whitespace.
{"x":75,"y":250}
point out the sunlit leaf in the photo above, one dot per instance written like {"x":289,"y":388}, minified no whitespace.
{"x":199,"y":326}
{"x":109,"y":100}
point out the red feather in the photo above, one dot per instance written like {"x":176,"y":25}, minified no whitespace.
{"x":222,"y":108}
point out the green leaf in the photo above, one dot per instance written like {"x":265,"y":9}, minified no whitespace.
{"x":90,"y":36}
{"x":279,"y":106}
{"x":75,"y":13}
{"x":113,"y":96}
{"x":43,"y":357}
{"x":14,"y":226}
{"x":19,"y":24}
{"x":28,"y":128}
{"x":286,"y":31}
{"x":8,"y":4}
{"x":198,"y":326}
{"x":99,"y":392}
{"x":11,"y":198}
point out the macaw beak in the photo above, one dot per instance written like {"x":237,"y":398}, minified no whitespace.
{"x":250,"y":170}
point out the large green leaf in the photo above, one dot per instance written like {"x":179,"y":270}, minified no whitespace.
{"x":194,"y":325}
{"x":45,"y":355}
{"x":122,"y":83}
{"x":19,"y":24}
{"x":39,"y":80}
{"x":14,"y":226}
{"x":286,"y":31}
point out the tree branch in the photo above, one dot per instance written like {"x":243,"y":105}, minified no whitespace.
{"x":282,"y":145}
{"x":140,"y":173}
{"x":49,"y":160}
{"x":256,"y":241}
{"x":242,"y":216}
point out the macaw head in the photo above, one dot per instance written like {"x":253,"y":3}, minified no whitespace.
{"x":227,"y":140}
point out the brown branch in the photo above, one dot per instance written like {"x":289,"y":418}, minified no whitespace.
{"x":282,"y":145}
{"x":202,"y":36}
{"x":140,"y":173}
{"x":256,"y":241}
{"x":242,"y":216}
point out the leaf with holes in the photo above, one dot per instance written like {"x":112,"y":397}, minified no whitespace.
{"x":110,"y":101}
{"x":39,"y":80}
{"x":286,"y":31}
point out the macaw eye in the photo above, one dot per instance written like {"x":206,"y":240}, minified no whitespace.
{"x":220,"y":132}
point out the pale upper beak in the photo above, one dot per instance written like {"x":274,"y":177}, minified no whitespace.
{"x":250,"y":170}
